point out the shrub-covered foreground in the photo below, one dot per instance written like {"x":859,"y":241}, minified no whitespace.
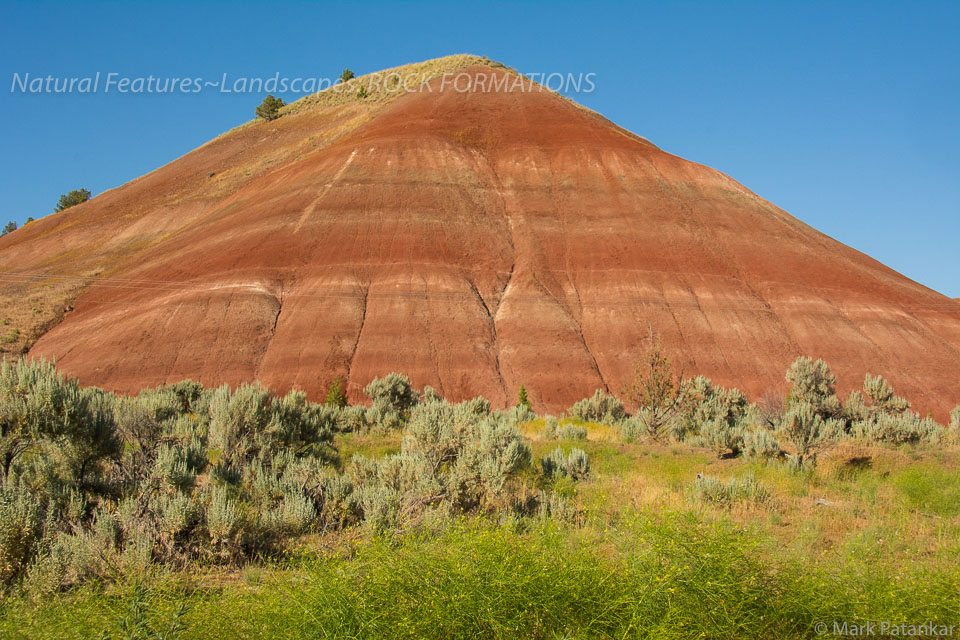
{"x":193,"y":513}
{"x":96,"y":485}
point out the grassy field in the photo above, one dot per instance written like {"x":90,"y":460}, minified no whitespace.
{"x":651,"y":551}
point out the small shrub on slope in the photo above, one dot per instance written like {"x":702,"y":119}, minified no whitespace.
{"x":553,"y":430}
{"x":702,"y":404}
{"x":71,"y":199}
{"x":575,"y":465}
{"x":744,"y":489}
{"x":600,"y":407}
{"x":269,"y":109}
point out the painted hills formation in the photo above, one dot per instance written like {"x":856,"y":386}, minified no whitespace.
{"x":474,"y":240}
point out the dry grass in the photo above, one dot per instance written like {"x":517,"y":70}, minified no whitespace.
{"x":382,"y":86}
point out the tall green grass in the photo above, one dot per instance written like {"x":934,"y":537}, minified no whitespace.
{"x":647,"y":576}
{"x":930,"y":489}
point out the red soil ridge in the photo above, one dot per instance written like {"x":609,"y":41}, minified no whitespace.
{"x":476,"y":242}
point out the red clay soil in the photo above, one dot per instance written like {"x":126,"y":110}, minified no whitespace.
{"x":476,"y":242}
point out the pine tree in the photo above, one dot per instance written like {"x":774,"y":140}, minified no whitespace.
{"x":655,"y":390}
{"x":73,"y":198}
{"x":269,"y":109}
{"x":335,"y":395}
{"x":524,"y":401}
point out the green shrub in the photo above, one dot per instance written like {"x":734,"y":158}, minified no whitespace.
{"x":224,"y":522}
{"x":269,"y":109}
{"x":808,"y":432}
{"x":10,"y":227}
{"x":575,"y":465}
{"x":338,"y":501}
{"x":177,"y":514}
{"x":40,"y":411}
{"x":453,"y":458}
{"x":218,"y":475}
{"x":522,"y":399}
{"x":718,"y":434}
{"x":899,"y":428}
{"x":711,"y":413}
{"x":760,"y":442}
{"x":813,"y":385}
{"x":335,"y":395}
{"x":600,"y":407}
{"x":351,"y":419}
{"x":633,"y":429}
{"x":516,"y":415}
{"x":655,"y":391}
{"x":296,"y":512}
{"x":249,"y":423}
{"x":878,"y":414}
{"x":71,"y":199}
{"x":21,"y":527}
{"x":743,"y":489}
{"x":172,"y":469}
{"x":88,"y":551}
{"x":392,"y":399}
{"x":881,"y":396}
{"x":553,"y":430}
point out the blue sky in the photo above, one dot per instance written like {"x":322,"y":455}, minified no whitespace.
{"x":845,"y":114}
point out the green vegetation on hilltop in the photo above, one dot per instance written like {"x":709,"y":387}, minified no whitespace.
{"x":383,"y":86}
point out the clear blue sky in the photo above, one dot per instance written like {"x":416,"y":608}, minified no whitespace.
{"x":844,"y":113}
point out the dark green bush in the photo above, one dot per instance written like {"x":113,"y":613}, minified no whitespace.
{"x":522,"y":399}
{"x":335,"y":395}
{"x":71,"y":199}
{"x":269,"y":109}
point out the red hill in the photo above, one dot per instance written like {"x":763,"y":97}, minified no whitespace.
{"x":476,"y":241}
